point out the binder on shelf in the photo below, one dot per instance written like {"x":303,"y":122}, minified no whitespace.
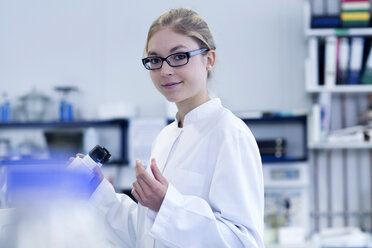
{"x":330,"y":62}
{"x":338,"y":40}
{"x":325,"y":101}
{"x":272,"y":147}
{"x":321,"y":61}
{"x":333,"y":7}
{"x":355,"y":13}
{"x":325,"y":22}
{"x":315,"y":128}
{"x":355,"y":5}
{"x":317,"y":7}
{"x":343,"y":65}
{"x":312,"y":75}
{"x":367,"y":72}
{"x":356,"y":59}
{"x":355,"y":16}
{"x":357,"y":19}
{"x":325,"y":14}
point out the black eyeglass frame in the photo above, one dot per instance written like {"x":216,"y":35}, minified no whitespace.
{"x":188,"y":55}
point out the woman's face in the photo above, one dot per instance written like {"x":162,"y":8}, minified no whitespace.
{"x":185,"y":84}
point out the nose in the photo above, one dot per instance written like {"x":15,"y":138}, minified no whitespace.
{"x":166,"y":69}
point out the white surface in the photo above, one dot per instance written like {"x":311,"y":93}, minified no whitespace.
{"x":291,"y":235}
{"x":303,"y":245}
{"x":349,"y":145}
{"x":333,"y":31}
{"x":342,"y":89}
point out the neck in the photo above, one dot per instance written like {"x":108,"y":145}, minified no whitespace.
{"x":187,"y":105}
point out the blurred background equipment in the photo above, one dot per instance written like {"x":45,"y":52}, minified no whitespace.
{"x":66,"y":108}
{"x":33,"y":106}
{"x":63,"y":144}
{"x":287,"y":216}
{"x":5,"y":110}
{"x":272,"y":147}
{"x":46,"y":206}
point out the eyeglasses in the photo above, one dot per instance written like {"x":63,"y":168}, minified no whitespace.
{"x":173,"y":60}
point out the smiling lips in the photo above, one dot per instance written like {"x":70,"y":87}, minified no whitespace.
{"x":171,"y":85}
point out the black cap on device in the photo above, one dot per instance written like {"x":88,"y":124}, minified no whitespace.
{"x":100,"y":154}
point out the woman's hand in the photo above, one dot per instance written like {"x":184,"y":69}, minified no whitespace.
{"x":80,"y":155}
{"x":148,"y":191}
{"x":97,"y":173}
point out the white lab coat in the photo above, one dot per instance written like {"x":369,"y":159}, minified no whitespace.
{"x":215,"y":196}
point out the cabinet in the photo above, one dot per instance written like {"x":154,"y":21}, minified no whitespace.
{"x":281,"y":137}
{"x":340,"y":150}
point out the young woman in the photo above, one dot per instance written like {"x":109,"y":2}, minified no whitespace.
{"x":204,"y":187}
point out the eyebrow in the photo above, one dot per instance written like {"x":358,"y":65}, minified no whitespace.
{"x":171,"y":51}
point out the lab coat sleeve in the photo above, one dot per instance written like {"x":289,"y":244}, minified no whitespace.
{"x":119,"y":213}
{"x":234,"y":215}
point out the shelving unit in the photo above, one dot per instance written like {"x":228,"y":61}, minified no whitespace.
{"x":341,"y":171}
{"x":120,"y":124}
{"x":292,"y":128}
{"x":323,"y":32}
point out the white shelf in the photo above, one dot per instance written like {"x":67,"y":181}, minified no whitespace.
{"x":305,"y":245}
{"x":335,"y":146}
{"x":323,"y":32}
{"x":342,"y":89}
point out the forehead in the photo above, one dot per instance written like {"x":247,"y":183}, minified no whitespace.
{"x":164,"y":40}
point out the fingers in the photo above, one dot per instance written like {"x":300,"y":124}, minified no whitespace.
{"x":144,"y":182}
{"x":135,"y":193}
{"x":142,"y":175}
{"x":80,"y":155}
{"x":149,"y":191}
{"x":156,"y":172}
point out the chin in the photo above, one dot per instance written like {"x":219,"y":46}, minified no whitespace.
{"x":173,"y":98}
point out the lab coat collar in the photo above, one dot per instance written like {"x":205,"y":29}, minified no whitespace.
{"x":202,"y":111}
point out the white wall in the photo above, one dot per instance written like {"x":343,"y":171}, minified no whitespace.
{"x":97,"y":45}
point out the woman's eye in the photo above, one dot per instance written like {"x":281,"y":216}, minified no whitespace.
{"x":154,"y":60}
{"x":180,"y":56}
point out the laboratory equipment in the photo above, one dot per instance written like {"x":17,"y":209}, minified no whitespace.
{"x":66,"y":110}
{"x":34,"y":106}
{"x":63,"y":143}
{"x":5,"y":148}
{"x":96,"y":157}
{"x":5,"y":109}
{"x":286,"y":202}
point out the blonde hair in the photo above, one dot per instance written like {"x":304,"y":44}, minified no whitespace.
{"x":185,"y":22}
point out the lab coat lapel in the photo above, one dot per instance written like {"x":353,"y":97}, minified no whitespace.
{"x":163,"y":148}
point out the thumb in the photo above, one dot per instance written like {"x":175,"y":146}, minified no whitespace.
{"x":156,"y":172}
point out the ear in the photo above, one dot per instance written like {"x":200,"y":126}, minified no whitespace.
{"x":211,"y":59}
